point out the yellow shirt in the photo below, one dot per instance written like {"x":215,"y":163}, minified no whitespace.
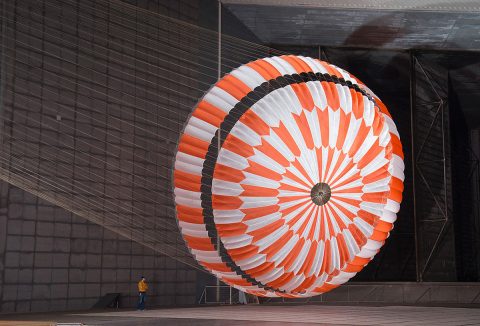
{"x":142,"y":286}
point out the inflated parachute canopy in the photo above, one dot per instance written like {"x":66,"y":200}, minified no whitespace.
{"x":288,"y":177}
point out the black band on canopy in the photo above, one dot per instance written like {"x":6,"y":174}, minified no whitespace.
{"x":226,"y":126}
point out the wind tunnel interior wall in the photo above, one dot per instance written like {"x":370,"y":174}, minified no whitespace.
{"x":94,"y":96}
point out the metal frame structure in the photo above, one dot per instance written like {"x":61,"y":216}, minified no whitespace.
{"x":204,"y":298}
{"x":438,"y":105}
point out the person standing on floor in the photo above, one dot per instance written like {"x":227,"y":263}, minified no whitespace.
{"x":142,"y":293}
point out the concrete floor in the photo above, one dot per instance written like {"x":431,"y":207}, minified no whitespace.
{"x":264,"y":315}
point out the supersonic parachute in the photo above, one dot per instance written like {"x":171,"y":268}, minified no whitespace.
{"x":288,"y":177}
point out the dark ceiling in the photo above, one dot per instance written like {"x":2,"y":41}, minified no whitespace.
{"x":448,"y":27}
{"x":436,"y":28}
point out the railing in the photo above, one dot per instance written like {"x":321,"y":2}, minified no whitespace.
{"x":401,"y":293}
{"x":221,"y":294}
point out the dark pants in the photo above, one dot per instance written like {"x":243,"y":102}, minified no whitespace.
{"x":141,"y":301}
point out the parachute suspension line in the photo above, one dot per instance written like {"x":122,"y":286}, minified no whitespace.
{"x":80,"y":105}
{"x":148,"y":102}
{"x":20,"y":181}
{"x":219,"y":132}
{"x":238,"y":42}
{"x":121,"y":137}
{"x":237,"y":46}
{"x":169,"y":89}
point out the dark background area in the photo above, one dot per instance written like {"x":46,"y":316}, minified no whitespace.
{"x":443,"y":206}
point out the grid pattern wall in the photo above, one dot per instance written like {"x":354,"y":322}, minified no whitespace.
{"x":91,"y":118}
{"x":81,"y":92}
{"x":94,"y":98}
{"x":55,"y":260}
